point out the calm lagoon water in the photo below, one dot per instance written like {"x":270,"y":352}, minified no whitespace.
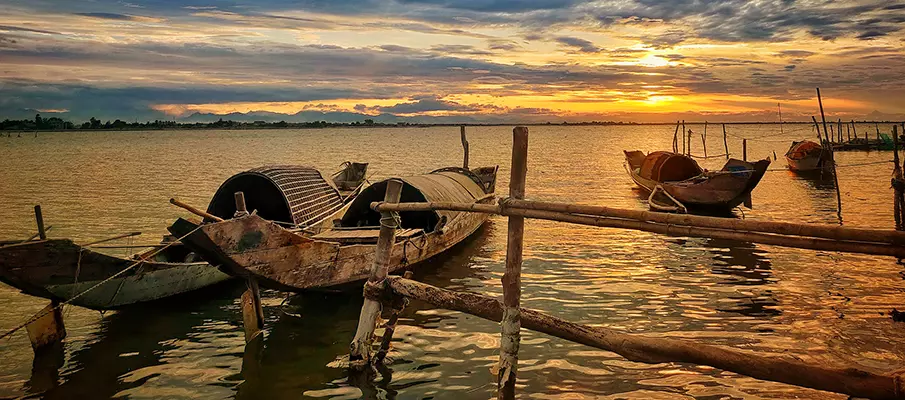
{"x":821,"y":306}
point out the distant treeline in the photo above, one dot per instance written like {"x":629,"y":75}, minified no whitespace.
{"x":56,"y":124}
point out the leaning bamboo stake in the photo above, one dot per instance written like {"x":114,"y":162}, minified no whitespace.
{"x":852,"y":381}
{"x":662,"y":228}
{"x":725,"y":143}
{"x":195,"y":211}
{"x":704,"y":139}
{"x":510,"y":326}
{"x":826,"y":132}
{"x":897,"y":183}
{"x":464,"y":146}
{"x":360,"y":348}
{"x":675,"y":135}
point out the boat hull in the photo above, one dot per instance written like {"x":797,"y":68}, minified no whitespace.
{"x":62,"y":270}
{"x":251,"y":247}
{"x":719,"y":192}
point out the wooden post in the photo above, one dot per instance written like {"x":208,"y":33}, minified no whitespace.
{"x":744,"y":149}
{"x":360,"y":348}
{"x":876,"y":125}
{"x":512,"y":279}
{"x":848,"y":131}
{"x":47,"y":327}
{"x":689,"y":142}
{"x":464,"y":146}
{"x":725,"y":143}
{"x":252,"y":312}
{"x":39,"y":218}
{"x":896,"y":181}
{"x":704,"y":139}
{"x":675,"y":138}
{"x":819,"y":137}
{"x":241,"y":209}
{"x":833,"y":134}
{"x":822,"y":116}
{"x":683,"y":137}
{"x":390,"y":327}
{"x":839,"y":130}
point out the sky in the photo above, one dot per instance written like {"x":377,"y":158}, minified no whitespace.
{"x":448,"y":61}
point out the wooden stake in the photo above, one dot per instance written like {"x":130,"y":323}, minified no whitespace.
{"x":744,"y":149}
{"x":241,"y":209}
{"x":390,"y":327}
{"x":822,"y":116}
{"x":360,"y":348}
{"x":848,"y":131}
{"x":704,"y":139}
{"x":725,"y":143}
{"x":819,"y":136}
{"x":675,"y":144}
{"x":512,"y":279}
{"x":856,"y":382}
{"x":897,"y":183}
{"x":683,"y":138}
{"x":39,"y":218}
{"x":47,"y":329}
{"x":252,"y":312}
{"x":464,"y":146}
{"x":839,"y":130}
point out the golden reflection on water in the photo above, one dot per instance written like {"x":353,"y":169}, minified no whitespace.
{"x":819,"y":306}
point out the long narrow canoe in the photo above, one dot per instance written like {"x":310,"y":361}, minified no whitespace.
{"x":290,"y":260}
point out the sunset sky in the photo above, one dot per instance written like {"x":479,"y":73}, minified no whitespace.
{"x":479,"y":60}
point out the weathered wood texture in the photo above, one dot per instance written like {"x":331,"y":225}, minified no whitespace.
{"x":855,"y":382}
{"x":195,"y":211}
{"x":729,"y":229}
{"x":252,"y":312}
{"x":47,"y":327}
{"x":39,"y":219}
{"x":512,"y":277}
{"x":360,"y":348}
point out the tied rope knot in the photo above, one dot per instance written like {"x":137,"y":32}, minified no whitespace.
{"x":390,"y":220}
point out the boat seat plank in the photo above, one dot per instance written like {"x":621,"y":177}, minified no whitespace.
{"x":363,"y":235}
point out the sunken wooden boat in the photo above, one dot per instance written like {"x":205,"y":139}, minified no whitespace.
{"x":806,"y":156}
{"x":61,"y":270}
{"x":292,"y":260}
{"x":677,"y":183}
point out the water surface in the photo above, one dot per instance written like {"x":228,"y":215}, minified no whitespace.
{"x":821,"y":306}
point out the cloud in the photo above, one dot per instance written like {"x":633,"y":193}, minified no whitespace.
{"x":584,"y":46}
{"x":425,"y":105}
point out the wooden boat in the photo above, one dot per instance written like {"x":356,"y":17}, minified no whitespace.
{"x":349,"y":180}
{"x":292,"y":260}
{"x":62,"y":270}
{"x":807,"y":156}
{"x":677,"y":183}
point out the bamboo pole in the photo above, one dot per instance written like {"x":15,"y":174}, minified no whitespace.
{"x":839,"y":129}
{"x":464,"y":146}
{"x":848,"y":131}
{"x":110,"y":239}
{"x":744,"y":149}
{"x":897,"y":183}
{"x":510,"y":325}
{"x":822,"y":115}
{"x":675,"y":144}
{"x":725,"y":143}
{"x":195,"y":211}
{"x":704,"y":139}
{"x":855,"y":382}
{"x":360,"y":348}
{"x":802,"y":242}
{"x":819,"y":137}
{"x":683,"y":136}
{"x":252,"y":312}
{"x":36,"y":235}
{"x":39,"y":219}
{"x":390,"y":327}
{"x":241,"y":208}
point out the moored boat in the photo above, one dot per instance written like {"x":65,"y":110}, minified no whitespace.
{"x":677,"y":183}
{"x":807,"y":156}
{"x":61,"y":270}
{"x":291,"y":260}
{"x":350,"y":179}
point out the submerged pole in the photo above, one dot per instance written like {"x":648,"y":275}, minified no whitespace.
{"x":510,"y":325}
{"x":704,"y":139}
{"x":675,"y":138}
{"x":39,"y":219}
{"x":360,"y":348}
{"x":826,"y":132}
{"x":252,"y":312}
{"x":725,"y":143}
{"x":464,"y":146}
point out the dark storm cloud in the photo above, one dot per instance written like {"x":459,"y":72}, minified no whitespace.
{"x":103,"y":15}
{"x":9,"y":28}
{"x":582,"y":45}
{"x":425,"y":105}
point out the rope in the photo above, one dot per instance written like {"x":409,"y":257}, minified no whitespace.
{"x":114,"y":276}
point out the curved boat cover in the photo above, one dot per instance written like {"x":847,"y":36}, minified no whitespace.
{"x":292,"y":194}
{"x":663,"y":166}
{"x":448,"y":185}
{"x":800,"y":150}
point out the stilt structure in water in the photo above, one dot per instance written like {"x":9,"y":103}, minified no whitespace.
{"x":381,"y":289}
